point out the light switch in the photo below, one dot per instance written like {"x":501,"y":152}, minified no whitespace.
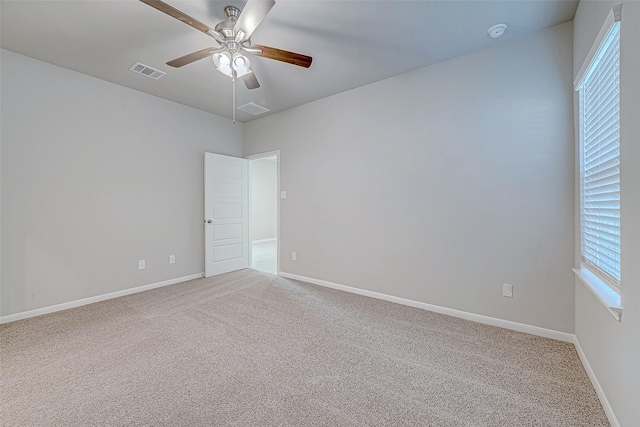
{"x":283,"y":194}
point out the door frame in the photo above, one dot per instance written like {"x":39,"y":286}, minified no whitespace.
{"x":265,"y":155}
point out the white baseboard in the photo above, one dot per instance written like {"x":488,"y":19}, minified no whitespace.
{"x":507,"y":324}
{"x":273,"y":239}
{"x":91,"y":300}
{"x":608,"y":410}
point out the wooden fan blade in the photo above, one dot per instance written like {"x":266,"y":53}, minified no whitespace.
{"x":175,"y":13}
{"x":192,"y":57}
{"x":285,"y":56}
{"x":252,"y":15}
{"x":251,"y":81}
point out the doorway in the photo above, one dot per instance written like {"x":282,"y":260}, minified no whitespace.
{"x":264,"y":212}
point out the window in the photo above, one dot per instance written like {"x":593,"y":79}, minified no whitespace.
{"x":599,"y":92}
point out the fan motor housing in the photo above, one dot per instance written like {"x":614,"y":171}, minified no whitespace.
{"x":226,"y":27}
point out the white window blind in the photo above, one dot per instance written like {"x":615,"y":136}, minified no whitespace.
{"x":600,"y":146}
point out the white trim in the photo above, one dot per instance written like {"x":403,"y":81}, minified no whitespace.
{"x":615,"y":15}
{"x":278,"y":255}
{"x":604,"y":293}
{"x":263,"y":155}
{"x":91,"y":300}
{"x":507,"y":324}
{"x":273,"y":239}
{"x":608,"y":410}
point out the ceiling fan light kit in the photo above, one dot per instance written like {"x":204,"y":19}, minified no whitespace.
{"x":229,"y":65}
{"x":233,"y":36}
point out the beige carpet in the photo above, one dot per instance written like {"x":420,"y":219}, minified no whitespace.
{"x":251,"y":349}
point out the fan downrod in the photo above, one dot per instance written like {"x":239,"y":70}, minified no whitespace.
{"x":226,"y":27}
{"x":232,"y":13}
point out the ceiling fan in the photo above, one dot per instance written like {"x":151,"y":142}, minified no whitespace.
{"x":233,"y":37}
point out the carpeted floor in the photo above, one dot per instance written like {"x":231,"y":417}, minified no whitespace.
{"x":251,"y":349}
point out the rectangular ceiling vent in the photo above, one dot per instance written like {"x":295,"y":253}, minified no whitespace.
{"x":253,"y":109}
{"x":145,"y":70}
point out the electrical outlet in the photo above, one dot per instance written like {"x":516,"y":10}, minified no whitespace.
{"x":507,"y":290}
{"x":141,"y":265}
{"x":172,"y":259}
{"x":293,"y":256}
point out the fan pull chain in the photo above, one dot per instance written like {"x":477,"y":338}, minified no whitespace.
{"x":234,"y":96}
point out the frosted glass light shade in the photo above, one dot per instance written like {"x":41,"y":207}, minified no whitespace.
{"x":222,"y":61}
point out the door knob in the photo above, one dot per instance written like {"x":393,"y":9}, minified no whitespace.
{"x":209,"y":221}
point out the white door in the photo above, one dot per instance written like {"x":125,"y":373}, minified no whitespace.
{"x":226,"y":237}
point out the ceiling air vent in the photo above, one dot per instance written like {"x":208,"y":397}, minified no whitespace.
{"x":253,"y":109}
{"x":145,"y":70}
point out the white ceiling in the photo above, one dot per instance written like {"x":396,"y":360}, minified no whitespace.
{"x":352,"y":43}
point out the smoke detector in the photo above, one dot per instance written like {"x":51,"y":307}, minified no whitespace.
{"x":497,"y":30}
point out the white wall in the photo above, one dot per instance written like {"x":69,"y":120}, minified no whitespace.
{"x":264,"y":198}
{"x":440,"y":184}
{"x":613,"y":348}
{"x":95,"y":177}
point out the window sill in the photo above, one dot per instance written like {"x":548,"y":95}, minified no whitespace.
{"x":607,"y":296}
